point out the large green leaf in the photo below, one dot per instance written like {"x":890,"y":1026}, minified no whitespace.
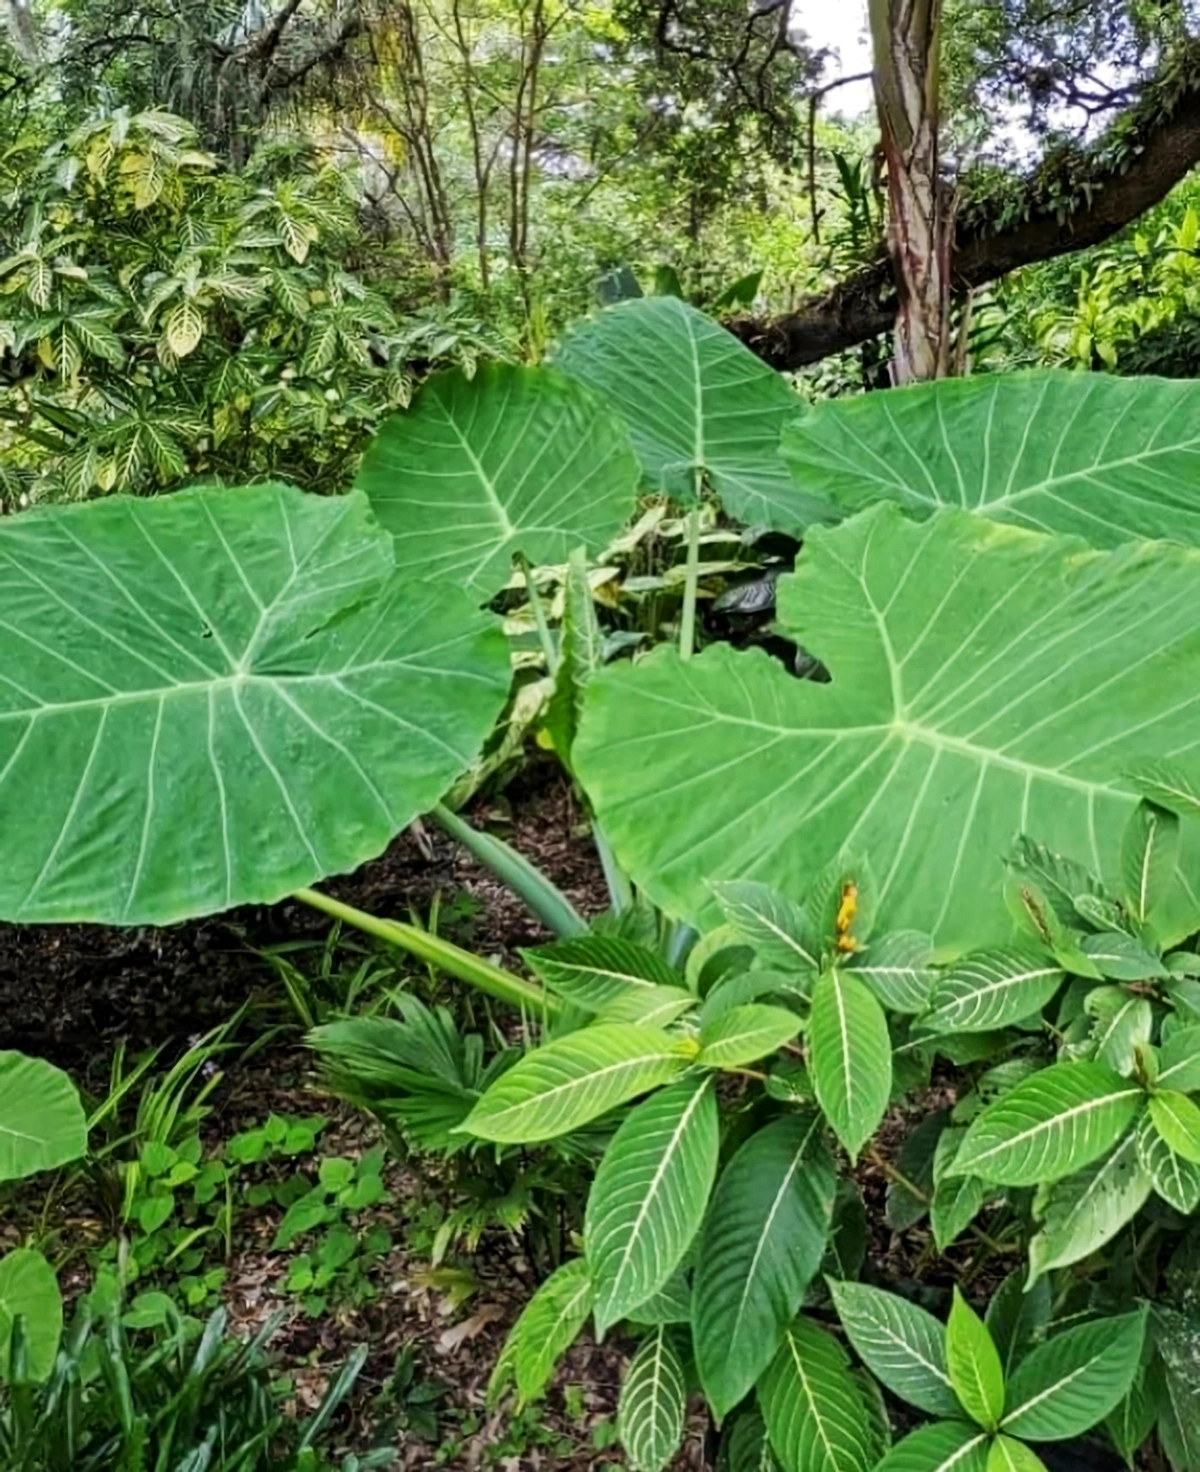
{"x":946,"y":1446}
{"x":1177,"y":1119}
{"x":1175,"y":1179}
{"x":985,"y":681}
{"x":850,"y":1056}
{"x":649,"y":1196}
{"x":547,"y":1327}
{"x":763,"y":1240}
{"x":29,"y":1289}
{"x":217,"y":697}
{"x":512,"y":460}
{"x":653,"y":1404}
{"x":42,"y":1123}
{"x":1179,"y":1061}
{"x":1081,"y":1213}
{"x":813,"y":1406}
{"x":694,"y":399}
{"x":558,"y":1087}
{"x":1072,"y":1381}
{"x":596,"y":972}
{"x":1049,"y":1126}
{"x":896,"y":968}
{"x":974,"y":1364}
{"x":746,"y":1033}
{"x":1087,"y":454}
{"x":902,"y":1345}
{"x":993,"y":988}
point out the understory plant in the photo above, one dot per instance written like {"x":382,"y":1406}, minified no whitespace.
{"x":940,"y":857}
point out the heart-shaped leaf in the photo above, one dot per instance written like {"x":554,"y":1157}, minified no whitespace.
{"x":974,"y":670}
{"x":1089,"y":454}
{"x":42,"y":1122}
{"x":29,"y":1289}
{"x":511,"y":460}
{"x":217,"y":697}
{"x":695,"y":400}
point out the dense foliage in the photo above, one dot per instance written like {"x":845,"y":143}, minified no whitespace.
{"x":962,"y":852}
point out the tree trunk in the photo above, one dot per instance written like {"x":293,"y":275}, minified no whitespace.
{"x":920,"y":212}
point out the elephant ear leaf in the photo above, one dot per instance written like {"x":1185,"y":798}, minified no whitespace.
{"x":1088,"y":455}
{"x":511,"y":460}
{"x":218,"y":697}
{"x":972,"y":666}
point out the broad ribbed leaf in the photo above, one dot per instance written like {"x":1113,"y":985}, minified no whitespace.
{"x":1084,"y":1211}
{"x":41,"y":1119}
{"x":1179,"y":1061}
{"x":548,"y":1326}
{"x":649,"y":1196}
{"x":990,"y":989}
{"x":1149,"y":852}
{"x":1070,"y":1383}
{"x":217,"y":697}
{"x":1088,"y":454}
{"x":672,"y":1304}
{"x":694,"y":398}
{"x":1121,"y":957}
{"x":957,"y":1201}
{"x":596,"y":972}
{"x":1123,"y":1023}
{"x":814,"y":1409}
{"x":946,"y":1446}
{"x":763,"y":1241}
{"x":1175,"y":1179}
{"x":1049,"y":1126}
{"x":28,"y":1288}
{"x":1177,"y":1119}
{"x":1168,"y":785}
{"x":653,"y":1404}
{"x":974,"y":1364}
{"x":744,"y":1034}
{"x":902,"y":1345}
{"x":850,"y":1057}
{"x":775,"y":926}
{"x":558,"y":1087}
{"x":512,"y":460}
{"x":1006,"y":1454}
{"x":974,"y":677}
{"x":896,"y":968}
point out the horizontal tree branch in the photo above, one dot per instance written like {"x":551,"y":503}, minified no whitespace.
{"x":1157,"y":144}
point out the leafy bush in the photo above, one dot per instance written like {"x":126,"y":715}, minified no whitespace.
{"x":235,"y":693}
{"x":162,"y":320}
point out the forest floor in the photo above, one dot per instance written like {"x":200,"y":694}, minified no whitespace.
{"x":75,"y":994}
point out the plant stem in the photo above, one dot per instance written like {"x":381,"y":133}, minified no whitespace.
{"x":452,"y":959}
{"x":539,"y":616}
{"x":525,"y":880}
{"x":687,"y":621}
{"x":620,"y":891}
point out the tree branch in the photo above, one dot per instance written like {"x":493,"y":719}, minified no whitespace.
{"x":1157,"y":144}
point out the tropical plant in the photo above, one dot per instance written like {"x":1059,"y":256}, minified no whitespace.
{"x":236,"y":692}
